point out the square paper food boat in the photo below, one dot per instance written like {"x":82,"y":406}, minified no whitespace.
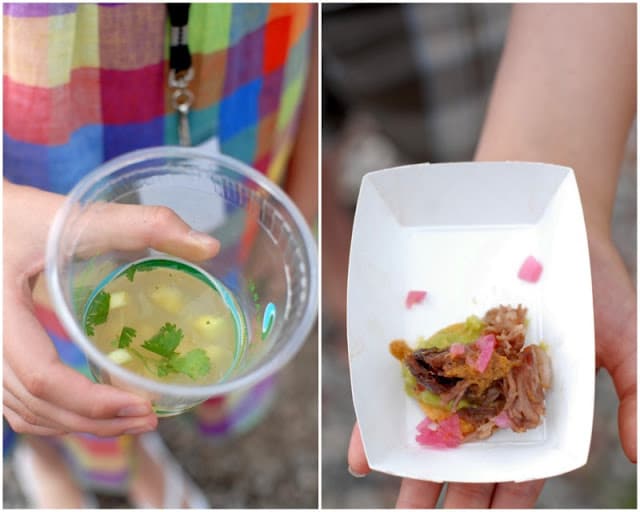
{"x":461,"y":231}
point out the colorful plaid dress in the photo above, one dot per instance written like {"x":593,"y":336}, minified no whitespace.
{"x":84,"y":83}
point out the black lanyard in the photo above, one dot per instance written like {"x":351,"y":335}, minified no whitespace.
{"x":179,"y":55}
{"x":180,"y":70}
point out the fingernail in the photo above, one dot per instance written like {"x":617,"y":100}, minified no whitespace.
{"x":135,"y":410}
{"x":355,"y":473}
{"x":202,"y":238}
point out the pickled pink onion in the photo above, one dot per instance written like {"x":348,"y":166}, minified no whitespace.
{"x":415,"y":297}
{"x":530,"y":270}
{"x":448,"y":433}
{"x":502,"y":420}
{"x":486,"y":344}
{"x":427,"y":424}
{"x":456,"y":349}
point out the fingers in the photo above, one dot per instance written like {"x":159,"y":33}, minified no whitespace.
{"x":9,"y":401}
{"x":620,"y":362}
{"x":110,"y":226}
{"x":75,"y":392}
{"x":52,"y":395}
{"x":358,"y":465}
{"x":623,"y":372}
{"x":37,"y":412}
{"x":18,"y":424}
{"x":614,"y":302}
{"x":468,"y":495}
{"x":517,"y":495}
{"x":418,"y":494}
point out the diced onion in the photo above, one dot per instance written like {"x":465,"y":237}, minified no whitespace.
{"x":456,"y":349}
{"x":502,"y":420}
{"x":530,"y":270}
{"x":415,"y":297}
{"x":448,"y":433}
{"x":120,"y":356}
{"x":486,"y":344}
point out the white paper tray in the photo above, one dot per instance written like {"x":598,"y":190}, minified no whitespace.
{"x":461,"y":231}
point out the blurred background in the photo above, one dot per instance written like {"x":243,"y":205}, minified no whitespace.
{"x":405,"y":84}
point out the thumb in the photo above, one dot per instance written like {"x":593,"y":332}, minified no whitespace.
{"x":616,"y":334}
{"x":125,"y":227}
{"x":621,"y":365}
{"x":357,"y":460}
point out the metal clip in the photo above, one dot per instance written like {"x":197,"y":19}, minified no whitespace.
{"x":181,"y":80}
{"x":181,"y":100}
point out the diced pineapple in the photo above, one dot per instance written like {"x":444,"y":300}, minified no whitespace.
{"x":208,"y":326}
{"x":219,"y":356}
{"x":120,"y":356}
{"x":118,"y":300}
{"x":168,"y":298}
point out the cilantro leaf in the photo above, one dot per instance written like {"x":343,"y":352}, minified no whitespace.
{"x":126,"y":337}
{"x":140,"y":267}
{"x":165,"y":341}
{"x":131,"y":271}
{"x":98,"y":312}
{"x":194,"y":364}
{"x":164,"y":368}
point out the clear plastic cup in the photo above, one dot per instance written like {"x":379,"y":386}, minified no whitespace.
{"x":267,"y":260}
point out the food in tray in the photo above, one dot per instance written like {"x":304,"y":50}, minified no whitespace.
{"x":475,"y":377}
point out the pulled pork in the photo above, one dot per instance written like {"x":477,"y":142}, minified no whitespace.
{"x":514,"y":381}
{"x":508,"y":326}
{"x":524,"y":389}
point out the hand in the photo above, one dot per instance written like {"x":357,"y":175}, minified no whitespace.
{"x":422,"y":494}
{"x":615,"y":327}
{"x":42,"y":395}
{"x":614,"y":302}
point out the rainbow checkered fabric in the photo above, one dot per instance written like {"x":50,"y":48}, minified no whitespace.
{"x":84,"y":83}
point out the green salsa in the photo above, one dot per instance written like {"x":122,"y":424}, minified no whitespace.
{"x":464,"y":333}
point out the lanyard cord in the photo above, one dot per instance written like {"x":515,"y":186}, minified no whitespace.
{"x":180,"y":70}
{"x":179,"y":56}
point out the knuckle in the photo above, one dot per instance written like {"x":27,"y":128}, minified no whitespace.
{"x":475,"y":494}
{"x":79,"y":426}
{"x":97,"y":410}
{"x":156,"y":220}
{"x":30,"y":418}
{"x":160,"y":216}
{"x":93,"y":427}
{"x":105,"y":431}
{"x":36,"y":384}
{"x":523,"y":491}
